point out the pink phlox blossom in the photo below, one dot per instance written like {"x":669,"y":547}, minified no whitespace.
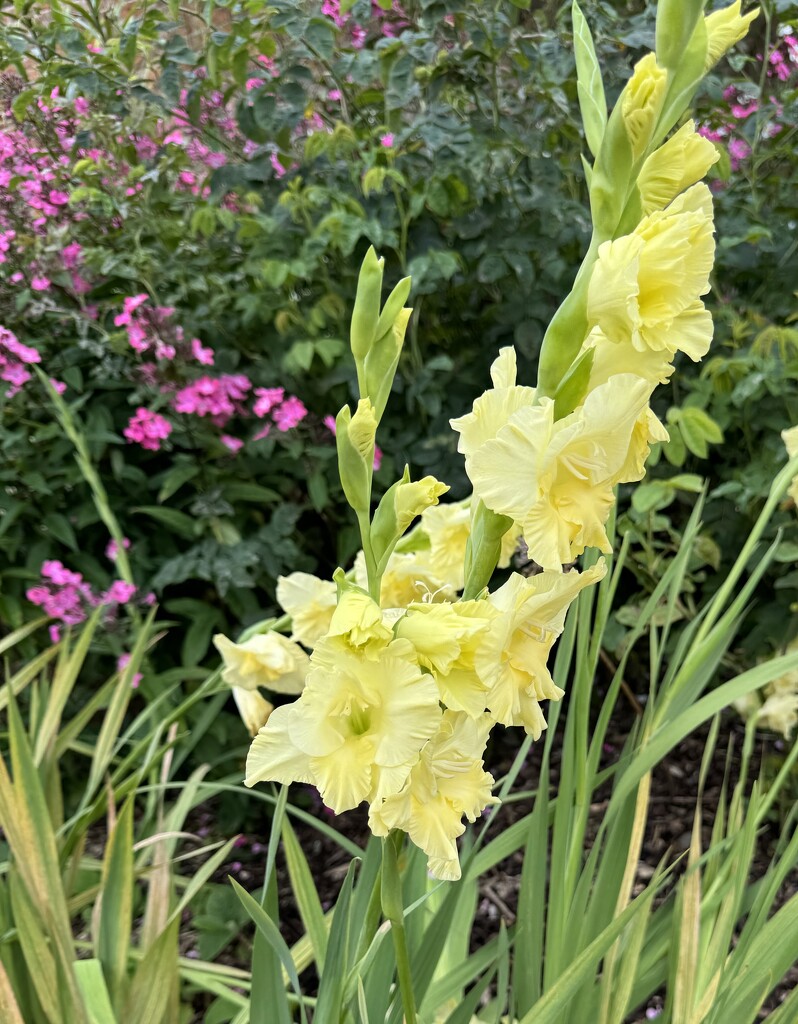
{"x":329,"y":423}
{"x":738,"y":151}
{"x":201,"y":353}
{"x":70,"y":255}
{"x":332,"y":9}
{"x":279,"y":170}
{"x":740,"y":112}
{"x":137,"y":337}
{"x":58,"y":198}
{"x":334,"y":95}
{"x":129,"y":305}
{"x":148,"y":429}
{"x":266,"y":399}
{"x":264,"y":431}
{"x":164,"y":350}
{"x":218,"y":397}
{"x":215,"y":160}
{"x":387,"y":140}
{"x":358,"y":37}
{"x":268,"y":64}
{"x":122,"y":663}
{"x":234,"y":444}
{"x":58,"y":386}
{"x":40,"y":283}
{"x":377,"y":457}
{"x":174,"y":138}
{"x":254,"y":83}
{"x":289,"y":413}
{"x":55,"y":633}
{"x":112,"y":548}
{"x":81,"y":106}
{"x":120,"y":592}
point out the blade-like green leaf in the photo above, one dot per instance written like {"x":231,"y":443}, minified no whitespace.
{"x":95,"y":993}
{"x":305,"y":894}
{"x":115,"y":907}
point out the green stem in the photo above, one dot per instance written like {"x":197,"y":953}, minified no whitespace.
{"x":391,"y":892}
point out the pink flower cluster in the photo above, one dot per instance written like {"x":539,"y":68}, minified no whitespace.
{"x":149,"y":329}
{"x":388,"y":23}
{"x":285,"y":412}
{"x":14,"y":357}
{"x":217,"y":397}
{"x":64,"y":595}
{"x":148,"y":429}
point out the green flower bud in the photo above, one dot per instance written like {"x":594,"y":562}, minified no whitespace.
{"x":382,"y":360}
{"x":354,"y":436}
{"x":366,"y":311}
{"x":676,"y":22}
{"x":399,"y":506}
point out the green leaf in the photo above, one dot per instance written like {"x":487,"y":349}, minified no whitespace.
{"x":115,"y":906}
{"x":177,"y":521}
{"x":91,"y":982}
{"x":151,"y":987}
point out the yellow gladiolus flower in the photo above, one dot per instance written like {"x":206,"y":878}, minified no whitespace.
{"x":790,"y":438}
{"x":725,"y":28}
{"x":556,"y":478}
{"x":253,"y":708}
{"x":645,"y":288}
{"x":682,"y":161}
{"x":414,"y":497}
{"x":446,"y":638}
{"x":310,"y":602}
{"x":268,"y":659}
{"x":513,"y":660}
{"x":641,"y":102}
{"x":357,"y":621}
{"x":447,"y":783}
{"x":357,"y":728}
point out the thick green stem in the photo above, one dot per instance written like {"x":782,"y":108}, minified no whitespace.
{"x":393,"y":910}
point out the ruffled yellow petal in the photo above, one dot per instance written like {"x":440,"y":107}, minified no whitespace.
{"x":641,"y":102}
{"x":268,"y":659}
{"x":253,"y":708}
{"x":273,"y":755}
{"x":310,"y":602}
{"x":682,"y":161}
{"x":725,"y":28}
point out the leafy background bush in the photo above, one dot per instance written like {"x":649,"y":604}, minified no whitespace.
{"x":234,"y":171}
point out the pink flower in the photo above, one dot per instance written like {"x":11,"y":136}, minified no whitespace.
{"x":267,"y":63}
{"x":358,"y":37}
{"x":129,"y":305}
{"x":57,"y":573}
{"x":201,"y":353}
{"x":40,"y":284}
{"x":334,"y":95}
{"x":120,"y":592}
{"x":387,"y":140}
{"x":266,"y":399}
{"x":253,"y":83}
{"x":174,"y":138}
{"x":55,"y":633}
{"x":112,"y":548}
{"x":377,"y":457}
{"x":81,"y":105}
{"x":122,"y":663}
{"x":218,"y":397}
{"x":738,"y":151}
{"x":740,"y":112}
{"x":329,"y":423}
{"x":70,"y":255}
{"x":287,"y":415}
{"x":94,"y":48}
{"x":58,"y":386}
{"x":148,"y":429}
{"x":235,"y":444}
{"x":187,"y":178}
{"x":264,"y":431}
{"x":58,"y":198}
{"x":278,"y":168}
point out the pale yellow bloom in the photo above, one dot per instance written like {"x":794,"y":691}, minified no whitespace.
{"x":268,"y":659}
{"x":448,"y":528}
{"x":648,"y":430}
{"x":790,"y":438}
{"x":682,"y":161}
{"x":641,"y":102}
{"x":446,"y":638}
{"x":310,"y":602}
{"x":357,"y":621}
{"x":253,"y":708}
{"x":725,"y":28}
{"x":645,"y":287}
{"x":779,"y":713}
{"x":447,"y":783}
{"x":413,"y":497}
{"x":513,"y":659}
{"x":556,"y":478}
{"x":492,"y":410}
{"x":357,"y":728}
